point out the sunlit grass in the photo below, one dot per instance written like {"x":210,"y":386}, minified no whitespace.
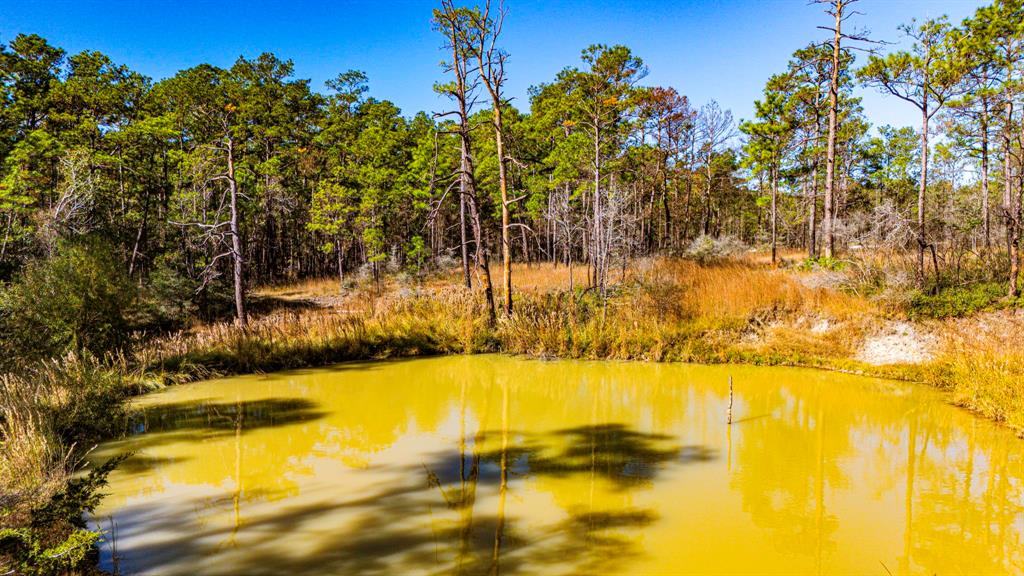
{"x":682,"y":310}
{"x":50,"y":416}
{"x":309,"y":288}
{"x":437,"y":322}
{"x":657,"y":309}
{"x":981,"y":363}
{"x":660,"y":309}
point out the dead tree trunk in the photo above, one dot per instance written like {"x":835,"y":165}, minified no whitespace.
{"x":237,"y":256}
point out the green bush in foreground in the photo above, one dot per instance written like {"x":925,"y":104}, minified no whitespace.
{"x":57,"y":539}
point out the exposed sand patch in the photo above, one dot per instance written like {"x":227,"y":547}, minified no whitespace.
{"x":898,"y":343}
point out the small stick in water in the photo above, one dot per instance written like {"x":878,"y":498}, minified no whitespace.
{"x":728,"y":414}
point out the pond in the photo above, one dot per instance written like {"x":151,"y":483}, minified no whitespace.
{"x":493,"y":464}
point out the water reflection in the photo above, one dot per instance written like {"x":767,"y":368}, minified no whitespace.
{"x":492,"y":465}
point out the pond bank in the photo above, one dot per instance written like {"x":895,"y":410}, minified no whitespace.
{"x":674,"y":311}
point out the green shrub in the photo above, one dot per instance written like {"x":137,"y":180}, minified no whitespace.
{"x":79,"y":299}
{"x":829,"y":263}
{"x":57,"y":539}
{"x":957,"y":302}
{"x":166,"y":302}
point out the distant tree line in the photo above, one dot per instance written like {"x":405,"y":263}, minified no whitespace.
{"x":205,"y":184}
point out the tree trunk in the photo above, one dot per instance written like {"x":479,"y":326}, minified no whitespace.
{"x":686,"y":202}
{"x":463,"y":193}
{"x":341,"y":264}
{"x":236,"y":240}
{"x":668,"y":239}
{"x":506,"y":241}
{"x":775,"y":219}
{"x":483,"y":258}
{"x":1012,"y":240}
{"x":985,"y":218}
{"x":7,"y":236}
{"x":812,"y":216}
{"x":707,"y":198}
{"x":597,"y":247}
{"x":827,"y":228}
{"x":139,"y":235}
{"x":922,"y":189}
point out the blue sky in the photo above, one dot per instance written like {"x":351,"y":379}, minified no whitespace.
{"x":722,"y":49}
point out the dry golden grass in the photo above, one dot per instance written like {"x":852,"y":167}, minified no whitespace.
{"x":304,"y":289}
{"x":764,"y":257}
{"x":981,"y":363}
{"x":659,"y":309}
{"x":32,"y":465}
{"x":396,"y":324}
{"x":740,"y":289}
{"x":529,"y":278}
{"x":49,"y":416}
{"x":669,"y":309}
{"x":743,"y":310}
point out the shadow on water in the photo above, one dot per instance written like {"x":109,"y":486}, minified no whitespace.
{"x":225,"y":416}
{"x":614,"y":451}
{"x":197,"y":420}
{"x":140,"y":463}
{"x":445,"y":515}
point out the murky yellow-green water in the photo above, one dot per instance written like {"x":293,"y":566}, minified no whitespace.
{"x":489,"y":464}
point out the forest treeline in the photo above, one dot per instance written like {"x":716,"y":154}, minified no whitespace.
{"x":199,"y":186}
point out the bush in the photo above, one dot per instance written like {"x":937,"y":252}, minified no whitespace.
{"x":708,"y":249}
{"x":829,"y":263}
{"x":77,"y":300}
{"x":957,"y":302}
{"x":167,"y":301}
{"x":57,"y":539}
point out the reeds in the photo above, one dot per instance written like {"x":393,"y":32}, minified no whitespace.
{"x":33,"y":462}
{"x":981,"y":363}
{"x":660,"y":309}
{"x":50,"y":415}
{"x":397,"y":324}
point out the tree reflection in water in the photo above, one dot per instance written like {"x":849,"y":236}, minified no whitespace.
{"x":489,"y":465}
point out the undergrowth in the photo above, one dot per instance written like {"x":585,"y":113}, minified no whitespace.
{"x":50,"y":416}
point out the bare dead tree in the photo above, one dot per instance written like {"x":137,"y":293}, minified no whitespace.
{"x":491,"y":69}
{"x":456,"y":25}
{"x":218,"y":229}
{"x":715,"y":127}
{"x":71,"y":213}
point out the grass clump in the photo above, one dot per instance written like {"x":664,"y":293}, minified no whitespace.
{"x":49,"y":417}
{"x":398,"y":324}
{"x":981,"y":364}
